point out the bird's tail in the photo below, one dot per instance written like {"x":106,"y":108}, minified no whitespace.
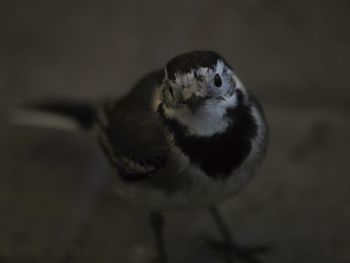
{"x":65,"y":115}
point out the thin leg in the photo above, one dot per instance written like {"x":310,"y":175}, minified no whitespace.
{"x":225,"y":232}
{"x":233,"y":250}
{"x":157,"y":223}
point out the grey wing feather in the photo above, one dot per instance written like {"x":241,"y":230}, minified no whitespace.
{"x":132,"y":134}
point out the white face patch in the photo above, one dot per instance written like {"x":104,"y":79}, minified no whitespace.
{"x":207,"y":120}
{"x":200,"y":82}
{"x":210,"y":117}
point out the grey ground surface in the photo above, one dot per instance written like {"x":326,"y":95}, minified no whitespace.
{"x":294,"y":55}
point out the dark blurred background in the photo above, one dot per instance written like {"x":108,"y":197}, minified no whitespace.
{"x":294,"y":55}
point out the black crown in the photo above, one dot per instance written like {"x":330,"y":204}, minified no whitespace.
{"x":187,"y":62}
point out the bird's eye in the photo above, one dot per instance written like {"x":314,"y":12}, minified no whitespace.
{"x":217,"y":80}
{"x":171,"y":91}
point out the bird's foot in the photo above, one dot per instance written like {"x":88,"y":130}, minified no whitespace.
{"x":237,"y":253}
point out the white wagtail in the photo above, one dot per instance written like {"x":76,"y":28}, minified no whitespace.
{"x":187,"y":136}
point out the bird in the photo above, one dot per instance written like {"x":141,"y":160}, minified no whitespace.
{"x":187,"y":136}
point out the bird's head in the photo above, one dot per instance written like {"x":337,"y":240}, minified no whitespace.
{"x":197,"y":90}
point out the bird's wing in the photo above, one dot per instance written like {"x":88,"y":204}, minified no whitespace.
{"x":131,"y":134}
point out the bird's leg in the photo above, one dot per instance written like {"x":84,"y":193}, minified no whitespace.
{"x":228,"y":243}
{"x":157,"y":224}
{"x":233,"y":250}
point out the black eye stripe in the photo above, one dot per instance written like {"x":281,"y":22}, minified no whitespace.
{"x":171,"y":91}
{"x":234,"y":83}
{"x":217,"y":80}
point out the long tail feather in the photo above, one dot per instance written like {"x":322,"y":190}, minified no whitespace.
{"x":64,"y":115}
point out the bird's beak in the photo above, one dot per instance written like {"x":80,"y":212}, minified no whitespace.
{"x":194,"y":102}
